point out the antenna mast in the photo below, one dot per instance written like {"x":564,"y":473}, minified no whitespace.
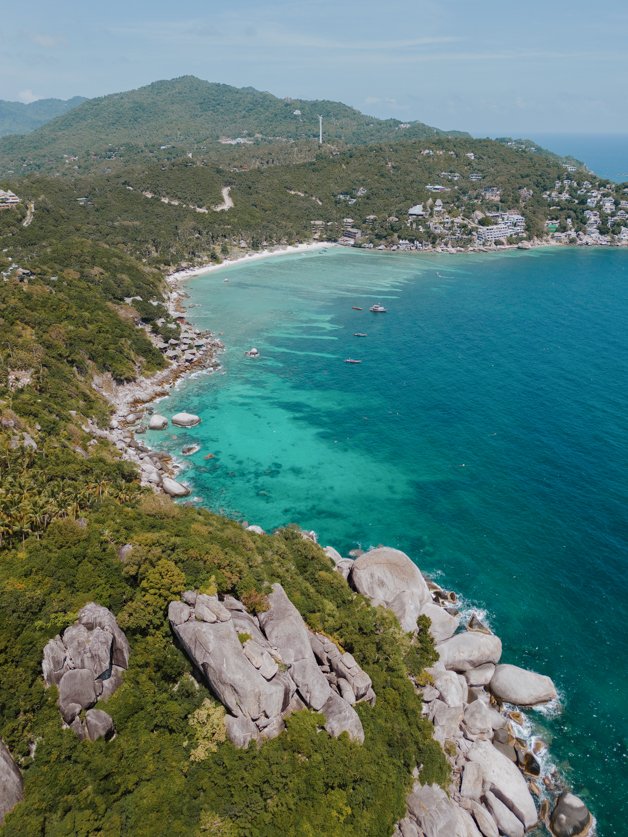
{"x":320,"y":130}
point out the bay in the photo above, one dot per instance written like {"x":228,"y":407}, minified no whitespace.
{"x":484,"y":433}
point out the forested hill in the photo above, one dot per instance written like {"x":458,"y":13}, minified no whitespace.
{"x":18,"y":118}
{"x":190,"y":115}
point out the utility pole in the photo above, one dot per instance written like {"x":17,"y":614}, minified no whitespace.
{"x":320,"y":130}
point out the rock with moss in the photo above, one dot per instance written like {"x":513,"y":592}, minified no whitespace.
{"x":388,"y":577}
{"x":86,"y":663}
{"x":263,"y":668}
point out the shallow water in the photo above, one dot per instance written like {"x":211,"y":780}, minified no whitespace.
{"x":484,"y":433}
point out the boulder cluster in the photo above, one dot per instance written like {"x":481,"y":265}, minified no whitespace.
{"x":264,"y":667}
{"x":495,"y":775}
{"x":86,"y":663}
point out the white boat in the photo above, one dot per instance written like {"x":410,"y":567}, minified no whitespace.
{"x":252,"y":352}
{"x":377,"y":308}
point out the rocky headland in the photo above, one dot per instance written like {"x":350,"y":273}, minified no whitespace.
{"x":498,"y":784}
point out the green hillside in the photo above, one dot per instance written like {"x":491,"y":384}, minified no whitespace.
{"x":18,"y":118}
{"x":67,"y":505}
{"x":187,"y":115}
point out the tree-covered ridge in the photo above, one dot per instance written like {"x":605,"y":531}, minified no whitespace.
{"x":161,"y":767}
{"x":189,"y":115}
{"x":374,"y":186}
{"x":19,"y":118}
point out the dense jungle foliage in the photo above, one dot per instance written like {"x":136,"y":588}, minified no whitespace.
{"x":80,"y":295}
{"x":69,"y":312}
{"x":187,"y":114}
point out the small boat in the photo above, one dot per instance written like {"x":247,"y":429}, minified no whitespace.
{"x":357,"y":308}
{"x":252,"y":352}
{"x":377,"y":308}
{"x":352,"y":360}
{"x":360,"y":334}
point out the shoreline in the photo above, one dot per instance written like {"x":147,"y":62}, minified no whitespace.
{"x":133,"y":402}
{"x":133,"y":405}
{"x":278,"y":250}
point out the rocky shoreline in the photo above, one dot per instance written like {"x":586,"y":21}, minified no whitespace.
{"x":501,"y":782}
{"x":470,"y":697}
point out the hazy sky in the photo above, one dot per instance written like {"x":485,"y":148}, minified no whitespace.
{"x":489,"y":66}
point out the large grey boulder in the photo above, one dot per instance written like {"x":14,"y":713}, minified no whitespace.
{"x":504,"y":779}
{"x":435,"y":813}
{"x":443,"y":625}
{"x":98,"y":724}
{"x":506,"y":821}
{"x":332,"y":553}
{"x":387,"y":576}
{"x":341,"y":717}
{"x":216,"y":651}
{"x":446,"y":720}
{"x":157,"y":422}
{"x":77,"y":690}
{"x":479,"y":719}
{"x":570,"y":817}
{"x":469,"y":650}
{"x":483,"y":819}
{"x":481,"y":675}
{"x":284,"y":628}
{"x":447,"y":683}
{"x":185,"y":420}
{"x":241,"y":730}
{"x":472,"y":781}
{"x":525,"y":688}
{"x":11,"y":783}
{"x":94,"y":616}
{"x":87,"y":663}
{"x":174,"y":488}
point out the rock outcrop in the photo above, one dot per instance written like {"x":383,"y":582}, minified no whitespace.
{"x":469,"y":650}
{"x":11,"y":783}
{"x":157,"y":422}
{"x":174,"y":488}
{"x":431,"y":813}
{"x":86,"y":663}
{"x":388,"y":577}
{"x":490,"y":764}
{"x":525,"y":688}
{"x":185,"y":420}
{"x":570,"y":817}
{"x":264,"y":667}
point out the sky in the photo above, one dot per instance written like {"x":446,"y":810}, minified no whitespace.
{"x":490,"y":67}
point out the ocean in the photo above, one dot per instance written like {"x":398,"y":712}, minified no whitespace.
{"x":484,"y":433}
{"x":604,"y":154}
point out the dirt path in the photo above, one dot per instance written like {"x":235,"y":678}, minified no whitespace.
{"x":30,"y":214}
{"x":227,"y":201}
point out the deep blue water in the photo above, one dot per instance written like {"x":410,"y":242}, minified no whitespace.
{"x":605,"y":154}
{"x":485,"y":433}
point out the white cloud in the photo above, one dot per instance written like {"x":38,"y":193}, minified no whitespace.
{"x":47,"y":41}
{"x":27,"y":96}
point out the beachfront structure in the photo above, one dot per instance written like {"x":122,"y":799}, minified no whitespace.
{"x":8,"y":198}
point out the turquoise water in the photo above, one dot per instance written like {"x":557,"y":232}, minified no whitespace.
{"x":484,"y":433}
